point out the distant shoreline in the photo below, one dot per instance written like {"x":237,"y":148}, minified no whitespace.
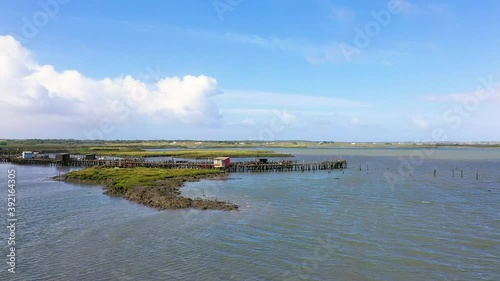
{"x":72,"y":143}
{"x":206,"y":149}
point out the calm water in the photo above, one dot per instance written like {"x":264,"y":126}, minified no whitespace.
{"x":343,"y":225}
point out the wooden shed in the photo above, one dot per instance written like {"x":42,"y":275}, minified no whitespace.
{"x":90,"y":157}
{"x":63,"y":158}
{"x":221,"y":162}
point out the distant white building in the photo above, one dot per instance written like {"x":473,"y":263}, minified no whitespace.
{"x":27,"y":154}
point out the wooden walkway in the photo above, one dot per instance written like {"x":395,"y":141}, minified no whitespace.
{"x":240,"y":167}
{"x":285,"y":166}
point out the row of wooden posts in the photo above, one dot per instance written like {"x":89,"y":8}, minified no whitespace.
{"x":456,"y":169}
{"x":285,"y":166}
{"x":251,"y":166}
{"x":121,"y":163}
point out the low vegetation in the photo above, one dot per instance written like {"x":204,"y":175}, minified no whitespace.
{"x":196,"y":149}
{"x":196,"y":154}
{"x":181,"y":149}
{"x":157,"y":188}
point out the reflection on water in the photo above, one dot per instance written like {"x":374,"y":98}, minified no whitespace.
{"x":343,"y":225}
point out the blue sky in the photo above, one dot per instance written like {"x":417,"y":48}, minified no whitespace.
{"x":396,"y":70}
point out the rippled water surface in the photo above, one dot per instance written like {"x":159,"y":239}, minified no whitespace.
{"x":339,"y":225}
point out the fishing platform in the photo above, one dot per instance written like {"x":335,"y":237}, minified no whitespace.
{"x":259,"y":165}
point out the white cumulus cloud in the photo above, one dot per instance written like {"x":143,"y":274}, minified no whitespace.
{"x":35,"y":96}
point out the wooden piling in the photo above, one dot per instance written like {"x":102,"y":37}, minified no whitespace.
{"x":251,"y":166}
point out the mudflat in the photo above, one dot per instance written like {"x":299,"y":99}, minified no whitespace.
{"x":157,"y":188}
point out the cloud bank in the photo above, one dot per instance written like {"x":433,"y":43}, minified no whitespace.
{"x":39,"y":97}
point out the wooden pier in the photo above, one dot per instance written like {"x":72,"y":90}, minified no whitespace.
{"x":285,"y":166}
{"x":240,"y":167}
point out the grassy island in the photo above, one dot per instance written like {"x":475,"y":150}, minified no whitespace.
{"x":157,"y":188}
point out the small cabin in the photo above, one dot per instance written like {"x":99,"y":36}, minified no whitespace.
{"x":221,"y":162}
{"x":27,"y":154}
{"x":63,"y":157}
{"x":90,"y":157}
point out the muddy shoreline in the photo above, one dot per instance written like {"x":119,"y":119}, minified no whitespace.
{"x":162,"y":195}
